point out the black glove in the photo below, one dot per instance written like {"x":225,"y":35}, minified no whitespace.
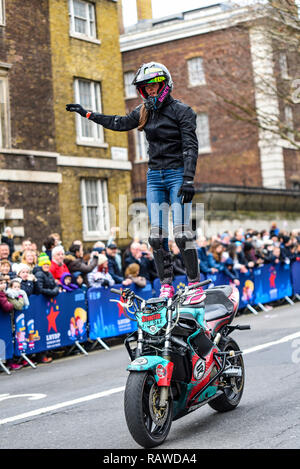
{"x":186,"y":192}
{"x":76,"y":108}
{"x":151,"y":103}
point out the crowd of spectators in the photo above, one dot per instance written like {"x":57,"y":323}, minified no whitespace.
{"x":55,"y":269}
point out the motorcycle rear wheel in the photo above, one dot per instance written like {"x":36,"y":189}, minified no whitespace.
{"x":233,"y":391}
{"x":148,"y":424}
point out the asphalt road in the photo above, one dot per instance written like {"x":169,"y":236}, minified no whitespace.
{"x":77,"y":402}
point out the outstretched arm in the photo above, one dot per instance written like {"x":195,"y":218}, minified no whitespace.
{"x":119,"y":123}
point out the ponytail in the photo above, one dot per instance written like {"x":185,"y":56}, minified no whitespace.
{"x":143,"y":118}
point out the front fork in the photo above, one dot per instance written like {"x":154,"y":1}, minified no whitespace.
{"x":164,"y":390}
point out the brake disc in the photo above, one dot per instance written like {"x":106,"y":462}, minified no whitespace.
{"x":158,"y":414}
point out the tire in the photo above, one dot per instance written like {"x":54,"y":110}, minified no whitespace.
{"x":233,"y":391}
{"x":141,"y":389}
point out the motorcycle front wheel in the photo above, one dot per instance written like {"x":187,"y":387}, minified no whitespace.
{"x":148,"y":423}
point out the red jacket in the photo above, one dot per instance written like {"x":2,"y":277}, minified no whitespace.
{"x":5,"y":305}
{"x":57,"y":270}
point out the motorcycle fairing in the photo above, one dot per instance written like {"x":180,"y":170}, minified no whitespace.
{"x":152,"y":322}
{"x":161,"y":367}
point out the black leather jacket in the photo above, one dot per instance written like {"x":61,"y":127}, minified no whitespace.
{"x":170,"y":131}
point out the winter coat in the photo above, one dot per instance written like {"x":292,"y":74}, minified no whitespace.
{"x":17,"y":297}
{"x":170,"y":132}
{"x":57,"y":270}
{"x":29,"y":287}
{"x":5,"y":305}
{"x":99,"y":279}
{"x":46,"y":284}
{"x":77,"y":264}
{"x":114,"y":269}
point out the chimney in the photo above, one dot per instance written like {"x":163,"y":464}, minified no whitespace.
{"x":144,"y":10}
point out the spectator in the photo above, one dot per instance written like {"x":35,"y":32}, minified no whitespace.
{"x":57,"y":239}
{"x":135,"y":256}
{"x":46,"y":284}
{"x":147,"y":263}
{"x":17,"y":255}
{"x":274,"y":230}
{"x":132,"y":273}
{"x":235,"y":251}
{"x":7,"y":237}
{"x":205,"y":258}
{"x":113,"y":266}
{"x":77,"y":279}
{"x":252,"y":257}
{"x":16,"y":295}
{"x":100,"y":276}
{"x":6,"y":270}
{"x":5,"y":305}
{"x":66,"y":282}
{"x":29,"y":257}
{"x":48,"y":245}
{"x":4,"y":251}
{"x":74,"y":261}
{"x":231,"y":272}
{"x":28,"y":280}
{"x":58,"y":267}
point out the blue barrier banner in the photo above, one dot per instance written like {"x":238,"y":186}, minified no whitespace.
{"x":6,"y":335}
{"x":272,"y":282}
{"x":246,"y":289}
{"x":51,"y":323}
{"x":217,"y":279}
{"x":295,"y":269}
{"x":107,"y":318}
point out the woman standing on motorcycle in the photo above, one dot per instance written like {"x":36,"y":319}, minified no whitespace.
{"x":170,"y":128}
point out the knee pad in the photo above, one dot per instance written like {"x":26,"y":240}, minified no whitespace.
{"x":156,"y":239}
{"x":183,"y":237}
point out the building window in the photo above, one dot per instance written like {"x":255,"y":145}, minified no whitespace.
{"x":141,"y":147}
{"x":196,"y":71}
{"x":4,"y":114}
{"x":283,"y":64}
{"x":82,"y":19}
{"x":289,"y":122}
{"x":2,"y":12}
{"x":130,"y":90}
{"x":95,"y":209}
{"x":203,"y":133}
{"x":88,"y":94}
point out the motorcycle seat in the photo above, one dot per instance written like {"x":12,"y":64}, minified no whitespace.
{"x":215,"y":311}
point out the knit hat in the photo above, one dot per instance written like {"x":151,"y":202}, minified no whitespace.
{"x":101,"y":259}
{"x":18,"y":267}
{"x":43,"y":259}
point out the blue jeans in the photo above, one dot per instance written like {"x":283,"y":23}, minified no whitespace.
{"x":162,"y":188}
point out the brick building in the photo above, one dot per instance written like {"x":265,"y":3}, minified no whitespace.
{"x":58,"y":171}
{"x":246,"y":175}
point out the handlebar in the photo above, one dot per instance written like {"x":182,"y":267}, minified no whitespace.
{"x":130,"y":293}
{"x":200,"y":284}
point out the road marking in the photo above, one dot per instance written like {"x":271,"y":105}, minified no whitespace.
{"x":90,"y":397}
{"x":44,"y":410}
{"x":287,"y":338}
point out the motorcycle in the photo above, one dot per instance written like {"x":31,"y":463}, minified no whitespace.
{"x":182,"y":357}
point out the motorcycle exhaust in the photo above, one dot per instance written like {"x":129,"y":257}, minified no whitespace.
{"x":233,"y":371}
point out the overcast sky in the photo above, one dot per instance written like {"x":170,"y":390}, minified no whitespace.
{"x":168,"y":7}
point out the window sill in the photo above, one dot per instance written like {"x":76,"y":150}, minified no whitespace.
{"x":96,"y":144}
{"x":82,"y":37}
{"x":95,"y":237}
{"x":203,"y":151}
{"x":141,"y":161}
